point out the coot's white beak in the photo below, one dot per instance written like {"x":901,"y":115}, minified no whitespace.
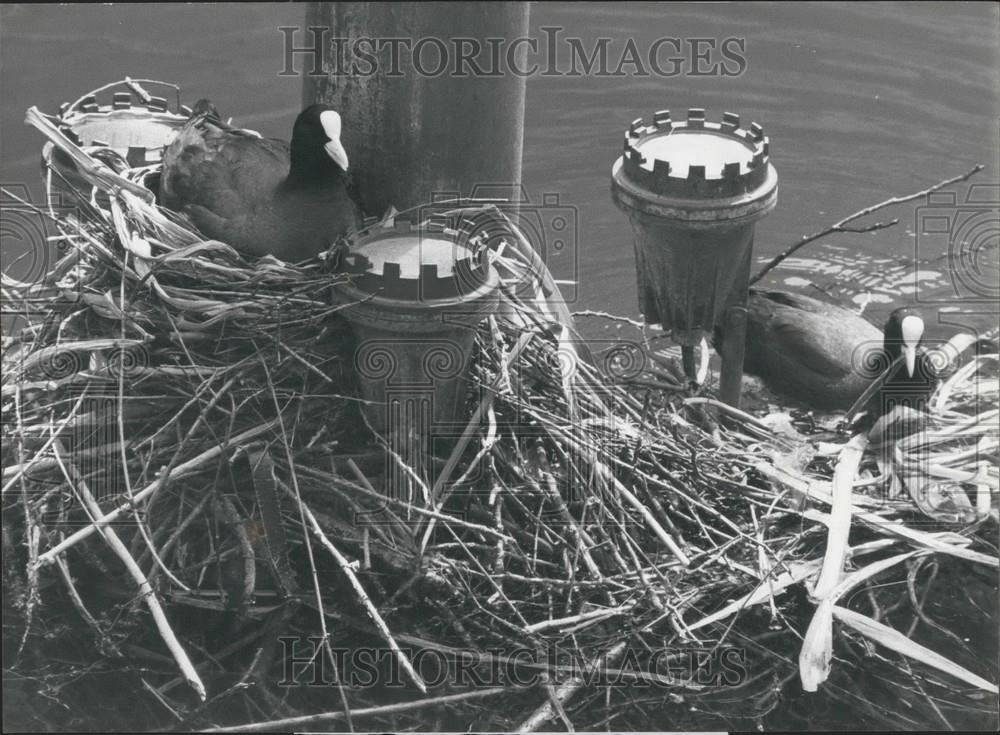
{"x":330,"y":121}
{"x":912,"y":328}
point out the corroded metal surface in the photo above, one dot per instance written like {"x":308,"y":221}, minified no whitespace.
{"x":414,"y":299}
{"x":693,"y":190}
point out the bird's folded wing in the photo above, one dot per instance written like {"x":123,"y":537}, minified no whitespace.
{"x":815,"y":348}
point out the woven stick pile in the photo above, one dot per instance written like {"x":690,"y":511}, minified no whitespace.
{"x":189,"y":478}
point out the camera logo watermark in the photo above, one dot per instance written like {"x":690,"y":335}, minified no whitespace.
{"x":533,"y":236}
{"x":967,"y":229}
{"x":29,"y":237}
{"x":415,"y":367}
{"x":91,"y":436}
{"x":414,"y":386}
{"x":908,"y":443}
{"x":552,"y":54}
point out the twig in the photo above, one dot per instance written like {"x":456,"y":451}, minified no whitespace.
{"x":841,"y":226}
{"x":651,"y":522}
{"x":23,"y":467}
{"x":359,"y":590}
{"x":296,"y":722}
{"x":612,"y":317}
{"x":148,"y":595}
{"x":181,"y":470}
{"x":438,"y":495}
{"x":586,"y":617}
{"x":732,"y":411}
{"x":289,"y":583}
{"x":78,"y":603}
{"x":564,"y":693}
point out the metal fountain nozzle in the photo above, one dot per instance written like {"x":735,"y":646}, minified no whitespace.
{"x":693,"y":190}
{"x":414,"y":298}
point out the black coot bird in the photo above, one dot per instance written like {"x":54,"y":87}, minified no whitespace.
{"x":826,"y":356}
{"x":261,"y":195}
{"x":912,"y":379}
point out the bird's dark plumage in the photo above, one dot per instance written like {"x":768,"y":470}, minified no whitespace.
{"x":261,"y":195}
{"x":205,"y":107}
{"x":826,"y":356}
{"x":913,"y":378}
{"x":810,"y":350}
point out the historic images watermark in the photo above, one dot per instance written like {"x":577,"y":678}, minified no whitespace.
{"x":552,"y":54}
{"x":308,"y":663}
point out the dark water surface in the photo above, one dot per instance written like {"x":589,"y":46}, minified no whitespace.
{"x":860,"y":101}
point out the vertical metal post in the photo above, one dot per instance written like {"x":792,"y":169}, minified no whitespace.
{"x":411,"y":134}
{"x":734,"y":339}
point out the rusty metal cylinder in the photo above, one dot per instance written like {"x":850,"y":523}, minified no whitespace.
{"x":693,"y":191}
{"x":414,"y":299}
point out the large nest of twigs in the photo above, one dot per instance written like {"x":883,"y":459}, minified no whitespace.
{"x":198,"y":528}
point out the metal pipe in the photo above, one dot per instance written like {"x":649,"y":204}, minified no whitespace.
{"x":734,"y":336}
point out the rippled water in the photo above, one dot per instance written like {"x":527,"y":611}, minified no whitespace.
{"x":860,"y":102}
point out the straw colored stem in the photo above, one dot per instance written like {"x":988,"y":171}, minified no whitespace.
{"x":359,"y":590}
{"x":146,"y":591}
{"x":182,"y":470}
{"x":289,"y":723}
